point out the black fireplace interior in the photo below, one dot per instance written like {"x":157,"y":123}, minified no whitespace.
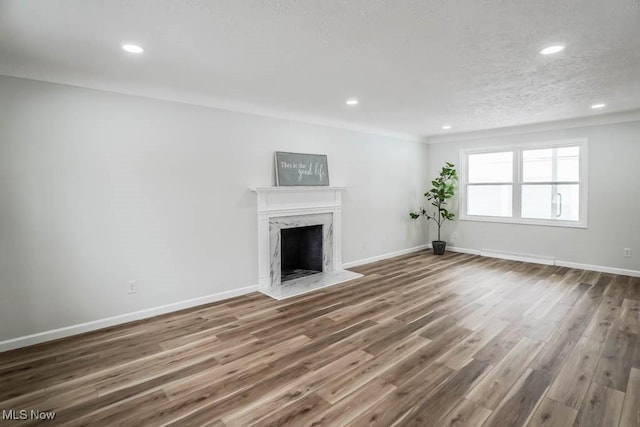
{"x":301,"y":251}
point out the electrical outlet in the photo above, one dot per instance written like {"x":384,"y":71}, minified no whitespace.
{"x":133,"y":286}
{"x":454,"y":236}
{"x":626,"y":252}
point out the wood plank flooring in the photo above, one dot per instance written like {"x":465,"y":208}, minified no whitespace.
{"x":420,"y":340}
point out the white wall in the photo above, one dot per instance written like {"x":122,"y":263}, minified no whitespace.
{"x":99,"y":188}
{"x":614,"y":201}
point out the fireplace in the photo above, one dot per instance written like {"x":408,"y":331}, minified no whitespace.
{"x":288,"y":236}
{"x":299,"y":240}
{"x":301,"y":252}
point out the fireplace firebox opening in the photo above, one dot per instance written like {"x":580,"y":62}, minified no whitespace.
{"x":301,"y":252}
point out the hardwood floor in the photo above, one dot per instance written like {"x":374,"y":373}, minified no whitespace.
{"x":419,"y":340}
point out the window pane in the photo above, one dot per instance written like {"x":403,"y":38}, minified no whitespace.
{"x":558,"y":202}
{"x":491,"y":167}
{"x":551,"y":164}
{"x":489,"y":200}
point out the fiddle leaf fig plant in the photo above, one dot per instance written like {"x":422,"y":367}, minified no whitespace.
{"x":442,"y":189}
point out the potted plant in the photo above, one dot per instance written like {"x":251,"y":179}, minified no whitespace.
{"x":443,"y":188}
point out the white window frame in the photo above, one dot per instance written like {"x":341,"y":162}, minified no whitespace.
{"x":517,"y":183}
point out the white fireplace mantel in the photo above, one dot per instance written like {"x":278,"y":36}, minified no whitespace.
{"x":277,"y":203}
{"x":280,"y":201}
{"x":293,"y":189}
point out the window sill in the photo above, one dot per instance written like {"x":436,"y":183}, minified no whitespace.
{"x":524,"y":221}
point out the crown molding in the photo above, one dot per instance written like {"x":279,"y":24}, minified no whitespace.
{"x":229,"y":105}
{"x":255,"y":110}
{"x":578,"y":122}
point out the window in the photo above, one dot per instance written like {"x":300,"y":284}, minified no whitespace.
{"x":531,"y":184}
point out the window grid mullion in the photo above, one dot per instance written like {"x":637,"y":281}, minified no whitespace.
{"x":517,"y":183}
{"x":552,"y":183}
{"x":490,"y":183}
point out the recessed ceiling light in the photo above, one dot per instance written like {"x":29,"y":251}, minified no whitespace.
{"x":352,"y":101}
{"x":132,"y":48}
{"x":552,"y":49}
{"x":446,"y":127}
{"x":596,"y":106}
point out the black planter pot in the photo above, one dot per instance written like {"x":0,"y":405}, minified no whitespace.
{"x":438,"y":247}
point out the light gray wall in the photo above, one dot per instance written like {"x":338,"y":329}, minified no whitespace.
{"x":614,"y":201}
{"x":99,"y":188}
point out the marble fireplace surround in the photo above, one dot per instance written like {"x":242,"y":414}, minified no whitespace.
{"x":288,"y":207}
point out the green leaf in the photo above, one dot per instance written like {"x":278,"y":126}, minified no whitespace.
{"x":443,"y":188}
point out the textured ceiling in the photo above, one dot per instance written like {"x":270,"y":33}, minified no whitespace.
{"x":414,"y":64}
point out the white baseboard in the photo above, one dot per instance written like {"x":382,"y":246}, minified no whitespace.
{"x":536,"y":259}
{"x":600,"y":268}
{"x":54,"y":334}
{"x":384,"y":256}
{"x":463,"y":250}
{"x":67,"y":331}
